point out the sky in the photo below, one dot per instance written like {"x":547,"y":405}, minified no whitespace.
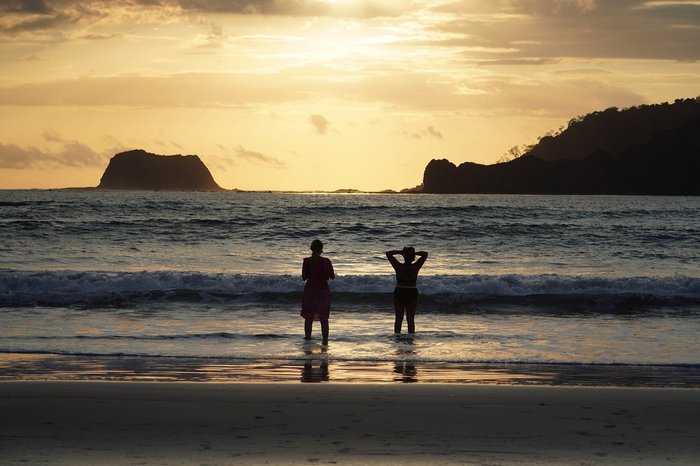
{"x":321,"y":94}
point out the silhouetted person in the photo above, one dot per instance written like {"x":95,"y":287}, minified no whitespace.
{"x":316,"y":302}
{"x":406,"y":292}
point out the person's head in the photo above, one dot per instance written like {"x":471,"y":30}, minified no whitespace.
{"x":316,"y":246}
{"x":409,"y":254}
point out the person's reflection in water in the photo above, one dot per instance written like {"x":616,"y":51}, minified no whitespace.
{"x":315,"y":373}
{"x":404,"y":368}
{"x":406,"y":372}
{"x":315,"y":368}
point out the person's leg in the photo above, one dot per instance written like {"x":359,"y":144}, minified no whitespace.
{"x":324,"y":330}
{"x":308,"y":324}
{"x":410,"y":316}
{"x":398,"y":311}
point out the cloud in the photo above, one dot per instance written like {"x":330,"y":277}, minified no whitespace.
{"x":36,"y":23}
{"x":319,"y":122}
{"x":167,"y":91}
{"x":51,"y":135}
{"x":257,"y":157}
{"x":66,"y":153}
{"x":34,"y":58}
{"x":428,"y":132}
{"x":215,"y":36}
{"x":42,"y":15}
{"x":490,"y":94}
{"x":60,"y":20}
{"x":25,"y":6}
{"x":546,"y":93}
{"x":347,"y":8}
{"x":555,"y":29}
{"x":95,"y":36}
{"x":519,"y":61}
{"x":504,"y":32}
{"x":433,"y":132}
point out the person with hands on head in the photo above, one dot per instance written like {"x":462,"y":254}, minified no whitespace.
{"x":406,"y":291}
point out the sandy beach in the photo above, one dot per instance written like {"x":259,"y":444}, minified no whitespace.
{"x":202,"y":423}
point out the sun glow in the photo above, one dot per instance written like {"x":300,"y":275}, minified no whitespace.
{"x":305,"y":94}
{"x":335,"y":44}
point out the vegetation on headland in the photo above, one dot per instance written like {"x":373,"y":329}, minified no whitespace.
{"x":647,"y":149}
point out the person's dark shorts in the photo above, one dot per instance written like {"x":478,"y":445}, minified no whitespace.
{"x":405,"y":295}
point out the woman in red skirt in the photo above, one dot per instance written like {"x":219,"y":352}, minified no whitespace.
{"x":316,"y":302}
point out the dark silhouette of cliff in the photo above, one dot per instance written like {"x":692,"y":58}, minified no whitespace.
{"x":138,"y":169}
{"x":651,"y":149}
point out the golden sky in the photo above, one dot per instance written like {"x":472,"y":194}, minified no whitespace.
{"x":321,"y":94}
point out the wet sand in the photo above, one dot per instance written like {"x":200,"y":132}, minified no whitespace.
{"x":53,"y":367}
{"x":207,"y":423}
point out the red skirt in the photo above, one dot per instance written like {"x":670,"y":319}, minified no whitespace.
{"x":316,"y":301}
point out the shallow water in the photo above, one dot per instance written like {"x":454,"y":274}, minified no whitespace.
{"x":521,"y":281}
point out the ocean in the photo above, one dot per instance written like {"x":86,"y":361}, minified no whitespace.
{"x":108,"y":285}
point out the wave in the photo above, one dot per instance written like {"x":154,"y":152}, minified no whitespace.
{"x":69,"y":287}
{"x":23,"y":203}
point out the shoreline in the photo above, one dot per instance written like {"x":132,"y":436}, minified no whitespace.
{"x":222,"y":423}
{"x":317,"y":368}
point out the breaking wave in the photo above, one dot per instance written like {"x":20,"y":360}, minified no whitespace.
{"x":67,"y":288}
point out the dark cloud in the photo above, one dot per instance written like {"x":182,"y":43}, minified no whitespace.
{"x":319,"y":122}
{"x":93,"y":36}
{"x":503,"y":32}
{"x":552,"y":29}
{"x":519,"y":61}
{"x":49,"y":16}
{"x":13,"y":156}
{"x":25,"y":6}
{"x":67,"y":154}
{"x":433,"y":132}
{"x":358,"y":8}
{"x":45,"y":15}
{"x":257,"y":157}
{"x":37,"y":23}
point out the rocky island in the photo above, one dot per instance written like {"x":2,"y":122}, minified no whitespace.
{"x":141,"y":170}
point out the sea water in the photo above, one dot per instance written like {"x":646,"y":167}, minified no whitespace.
{"x":209,"y":285}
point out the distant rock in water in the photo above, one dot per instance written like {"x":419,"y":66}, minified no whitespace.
{"x":650,"y":150}
{"x":138,"y":169}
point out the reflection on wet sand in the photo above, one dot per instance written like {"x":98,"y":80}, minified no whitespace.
{"x":405,"y":372}
{"x":315,"y":371}
{"x":315,"y":368}
{"x":405,"y":369}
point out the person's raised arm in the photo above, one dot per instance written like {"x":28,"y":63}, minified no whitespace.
{"x":390,"y":255}
{"x":331,"y":271}
{"x":422,"y":257}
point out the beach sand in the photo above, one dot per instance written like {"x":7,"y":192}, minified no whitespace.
{"x":207,"y":423}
